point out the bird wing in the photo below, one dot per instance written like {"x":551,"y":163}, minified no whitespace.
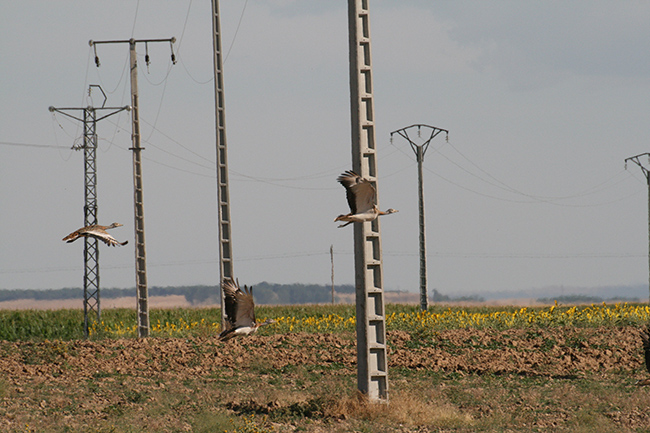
{"x":230,"y":288}
{"x":72,"y":236}
{"x":99,"y":233}
{"x":360,"y":193}
{"x":246,"y":308}
{"x":239,"y":305}
{"x":80,"y":232}
{"x":645,"y":336}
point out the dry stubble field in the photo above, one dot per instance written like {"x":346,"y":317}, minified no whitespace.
{"x":553,"y":379}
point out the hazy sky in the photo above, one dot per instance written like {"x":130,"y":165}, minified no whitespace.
{"x":544,"y":100}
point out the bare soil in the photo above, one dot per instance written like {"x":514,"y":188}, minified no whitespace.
{"x":549,"y":352}
{"x":77,"y":383}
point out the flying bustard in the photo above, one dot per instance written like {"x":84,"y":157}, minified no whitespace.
{"x":362,"y":197}
{"x":240,"y":311}
{"x":645,"y":337}
{"x":97,"y":232}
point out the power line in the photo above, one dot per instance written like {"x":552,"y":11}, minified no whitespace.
{"x":43,"y":146}
{"x":241,"y":17}
{"x":532,"y":198}
{"x":293,"y":255}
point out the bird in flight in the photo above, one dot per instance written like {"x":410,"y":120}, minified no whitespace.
{"x":240,"y":311}
{"x":97,"y":232}
{"x":362,"y":197}
{"x":645,"y":337}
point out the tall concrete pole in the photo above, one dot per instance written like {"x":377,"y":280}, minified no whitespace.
{"x":142,"y":291}
{"x":424,"y":302}
{"x":372,"y":362}
{"x":646,"y":173}
{"x":142,"y":295}
{"x":420,"y":150}
{"x":223,"y":196}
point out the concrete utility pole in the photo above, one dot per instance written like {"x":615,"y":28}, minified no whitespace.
{"x":223,"y":197}
{"x":91,"y":250}
{"x":332,"y":263}
{"x":140,"y":251}
{"x":420,"y":150}
{"x":646,"y":173}
{"x":372,"y":362}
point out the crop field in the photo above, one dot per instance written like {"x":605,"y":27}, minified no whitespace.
{"x":464,"y":369}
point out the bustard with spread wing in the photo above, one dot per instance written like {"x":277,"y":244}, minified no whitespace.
{"x":97,"y":232}
{"x":240,"y":310}
{"x":645,"y":337}
{"x":362,"y":197}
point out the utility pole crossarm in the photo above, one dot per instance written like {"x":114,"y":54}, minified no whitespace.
{"x":403,"y":132}
{"x":635,"y":159}
{"x":114,"y":109}
{"x":127,"y":41}
{"x":132,"y":42}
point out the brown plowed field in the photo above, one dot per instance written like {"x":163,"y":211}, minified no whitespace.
{"x":62,"y":369}
{"x":554,"y":352}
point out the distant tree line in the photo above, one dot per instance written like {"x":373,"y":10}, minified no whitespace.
{"x":585,"y":299}
{"x":265,"y":293}
{"x":439,"y":297}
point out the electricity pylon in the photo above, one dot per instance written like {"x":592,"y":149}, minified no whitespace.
{"x":372,"y":362}
{"x":91,"y":250}
{"x":142,"y":294}
{"x":420,"y":150}
{"x":646,"y":173}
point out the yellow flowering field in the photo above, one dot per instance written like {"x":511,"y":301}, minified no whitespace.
{"x":398,"y":317}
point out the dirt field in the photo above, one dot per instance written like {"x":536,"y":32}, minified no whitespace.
{"x":69,"y":386}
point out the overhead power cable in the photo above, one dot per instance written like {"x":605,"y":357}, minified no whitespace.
{"x":44,"y":146}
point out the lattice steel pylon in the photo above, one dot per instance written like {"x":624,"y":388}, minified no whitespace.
{"x":372,"y":362}
{"x":223,"y":197}
{"x":92,"y":309}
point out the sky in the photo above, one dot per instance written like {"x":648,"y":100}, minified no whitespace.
{"x":543,"y":101}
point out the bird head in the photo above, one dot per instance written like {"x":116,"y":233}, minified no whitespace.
{"x":391,"y":210}
{"x":112,"y":226}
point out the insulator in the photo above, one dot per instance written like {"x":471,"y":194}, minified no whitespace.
{"x":146,"y":59}
{"x":171,"y":47}
{"x":96,"y":56}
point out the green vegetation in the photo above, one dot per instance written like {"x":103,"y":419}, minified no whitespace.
{"x":66,"y":325}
